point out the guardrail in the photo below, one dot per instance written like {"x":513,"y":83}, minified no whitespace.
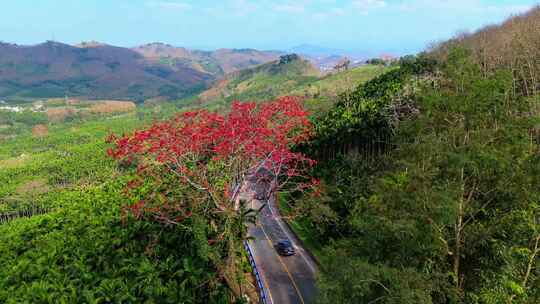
{"x":262,"y":291}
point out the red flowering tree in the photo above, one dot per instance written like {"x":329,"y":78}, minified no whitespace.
{"x":190,"y":168}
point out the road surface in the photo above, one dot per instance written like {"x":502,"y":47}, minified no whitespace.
{"x":285,"y":279}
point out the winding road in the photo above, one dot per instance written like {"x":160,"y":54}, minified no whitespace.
{"x":285,"y":279}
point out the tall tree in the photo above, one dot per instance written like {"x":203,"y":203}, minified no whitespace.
{"x":454,"y":216}
{"x":189,"y":170}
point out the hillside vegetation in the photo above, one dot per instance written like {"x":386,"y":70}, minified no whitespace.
{"x":514,"y":45}
{"x":337,"y":82}
{"x":262,"y":82}
{"x":431,"y":182}
{"x":80,"y":251}
{"x":291,"y":75}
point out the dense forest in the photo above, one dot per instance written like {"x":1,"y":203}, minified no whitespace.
{"x":445,"y":208}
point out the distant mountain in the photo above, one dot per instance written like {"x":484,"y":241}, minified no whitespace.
{"x":91,"y":70}
{"x":327,"y":58}
{"x":92,"y":43}
{"x":353,"y":54}
{"x":232,"y":60}
{"x":216,"y":63}
{"x":97,"y":70}
{"x":315,"y":51}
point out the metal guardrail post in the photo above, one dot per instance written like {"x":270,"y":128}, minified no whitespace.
{"x":262,"y":291}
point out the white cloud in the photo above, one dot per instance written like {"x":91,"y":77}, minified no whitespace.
{"x":333,"y":12}
{"x":337,"y":11}
{"x":171,"y":5}
{"x":471,"y":6}
{"x":510,"y":9}
{"x":319,"y":16}
{"x":290,"y":8}
{"x":366,"y":5}
{"x":243,"y":7}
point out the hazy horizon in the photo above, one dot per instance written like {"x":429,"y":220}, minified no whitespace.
{"x":323,"y":50}
{"x":349,"y":25}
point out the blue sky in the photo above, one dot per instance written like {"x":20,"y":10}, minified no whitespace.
{"x":376,"y":25}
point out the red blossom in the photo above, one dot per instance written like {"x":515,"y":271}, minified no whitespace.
{"x":247,"y":136}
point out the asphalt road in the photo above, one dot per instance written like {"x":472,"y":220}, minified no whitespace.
{"x":286,"y":279}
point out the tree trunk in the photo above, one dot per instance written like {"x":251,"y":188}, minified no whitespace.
{"x":458,"y":232}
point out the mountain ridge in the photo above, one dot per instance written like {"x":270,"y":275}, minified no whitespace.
{"x":219,"y":62}
{"x":97,"y":70}
{"x":54,"y":69}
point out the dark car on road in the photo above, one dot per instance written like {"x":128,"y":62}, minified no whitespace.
{"x":285,"y":248}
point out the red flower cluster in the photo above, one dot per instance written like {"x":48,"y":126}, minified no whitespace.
{"x":246,"y":130}
{"x":250,"y":135}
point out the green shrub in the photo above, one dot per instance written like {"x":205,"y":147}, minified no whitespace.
{"x":82,"y":253}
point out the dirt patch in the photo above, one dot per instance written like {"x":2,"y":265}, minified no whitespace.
{"x":217,"y":91}
{"x":33,"y":188}
{"x":156,"y":101}
{"x":112,"y":107}
{"x":60,"y":114}
{"x":14,"y":162}
{"x":40,"y":131}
